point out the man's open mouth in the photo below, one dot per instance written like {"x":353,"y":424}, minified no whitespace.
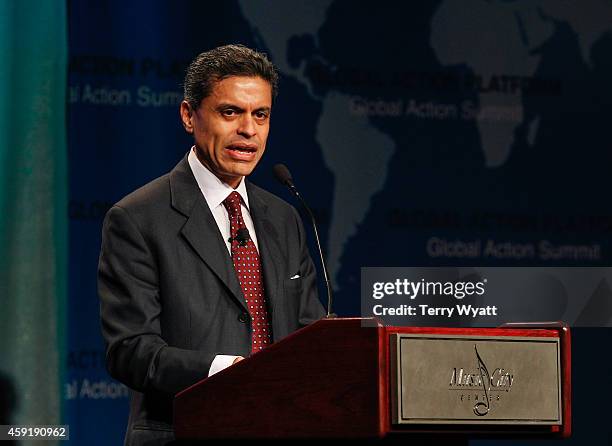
{"x":242,"y":148}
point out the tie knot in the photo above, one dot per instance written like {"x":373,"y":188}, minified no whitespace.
{"x":232,"y":204}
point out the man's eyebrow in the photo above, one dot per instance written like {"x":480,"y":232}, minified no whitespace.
{"x":228,"y":105}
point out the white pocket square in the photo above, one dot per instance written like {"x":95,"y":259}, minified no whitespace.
{"x":297,"y":276}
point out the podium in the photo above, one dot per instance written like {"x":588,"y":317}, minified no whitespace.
{"x":347,"y":378}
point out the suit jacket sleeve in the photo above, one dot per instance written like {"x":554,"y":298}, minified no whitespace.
{"x":130,"y":308}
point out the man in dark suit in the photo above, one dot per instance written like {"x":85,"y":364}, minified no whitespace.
{"x":200,"y":268}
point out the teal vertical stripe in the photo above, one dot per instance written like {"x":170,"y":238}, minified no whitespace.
{"x":33,"y":206}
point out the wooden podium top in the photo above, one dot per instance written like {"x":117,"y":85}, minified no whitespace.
{"x":328,"y":380}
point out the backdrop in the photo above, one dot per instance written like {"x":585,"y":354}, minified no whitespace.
{"x":33,"y":219}
{"x":414,"y":130}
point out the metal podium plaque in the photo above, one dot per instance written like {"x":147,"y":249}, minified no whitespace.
{"x":462,"y":379}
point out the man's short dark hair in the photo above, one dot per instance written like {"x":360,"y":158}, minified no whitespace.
{"x":223,"y":62}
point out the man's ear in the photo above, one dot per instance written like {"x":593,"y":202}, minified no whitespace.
{"x":186,"y":116}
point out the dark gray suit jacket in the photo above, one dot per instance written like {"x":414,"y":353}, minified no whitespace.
{"x":170,"y":298}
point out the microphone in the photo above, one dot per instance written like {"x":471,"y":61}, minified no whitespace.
{"x":283,"y":175}
{"x":242,"y":236}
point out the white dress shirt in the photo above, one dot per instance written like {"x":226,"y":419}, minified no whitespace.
{"x":215,"y":191}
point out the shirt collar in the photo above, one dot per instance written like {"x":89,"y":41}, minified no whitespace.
{"x":213,"y":189}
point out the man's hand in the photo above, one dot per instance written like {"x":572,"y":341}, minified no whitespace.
{"x":238,"y":359}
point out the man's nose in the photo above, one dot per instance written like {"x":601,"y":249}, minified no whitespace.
{"x":247,"y":126}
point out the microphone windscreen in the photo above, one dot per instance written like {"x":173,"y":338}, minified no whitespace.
{"x":282,"y":174}
{"x":242,"y":234}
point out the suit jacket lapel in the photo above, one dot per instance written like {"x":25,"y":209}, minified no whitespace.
{"x":270,"y":253}
{"x":201,"y":230}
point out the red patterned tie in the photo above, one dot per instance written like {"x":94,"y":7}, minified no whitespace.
{"x":248,"y":270}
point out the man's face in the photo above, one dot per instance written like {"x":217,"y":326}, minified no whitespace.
{"x":231,"y":126}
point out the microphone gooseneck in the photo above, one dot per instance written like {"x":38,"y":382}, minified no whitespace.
{"x":282,"y":174}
